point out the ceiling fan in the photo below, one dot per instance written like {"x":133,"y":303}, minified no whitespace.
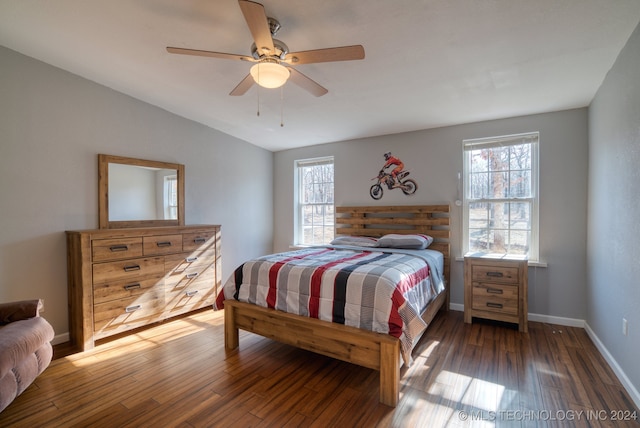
{"x":272,"y":58}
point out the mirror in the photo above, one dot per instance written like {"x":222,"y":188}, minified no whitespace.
{"x":138,"y":193}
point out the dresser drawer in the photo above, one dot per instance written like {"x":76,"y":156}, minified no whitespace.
{"x":116,"y":290}
{"x":128,"y":270}
{"x":187,"y":302}
{"x":494,"y":273}
{"x":200,"y":277}
{"x":103,"y":250}
{"x":191,"y":294}
{"x":162,"y":244}
{"x":178,"y":264}
{"x":126,"y":314}
{"x":198,"y":240}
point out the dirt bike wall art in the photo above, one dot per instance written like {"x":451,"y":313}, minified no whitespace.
{"x":396,"y":179}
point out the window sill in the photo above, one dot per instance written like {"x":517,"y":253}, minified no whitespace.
{"x":532,"y":263}
{"x":299,"y":246}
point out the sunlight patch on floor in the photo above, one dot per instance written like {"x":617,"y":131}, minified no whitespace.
{"x":472,"y":392}
{"x":142,"y":341}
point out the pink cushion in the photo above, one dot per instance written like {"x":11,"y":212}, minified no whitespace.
{"x":20,"y":339}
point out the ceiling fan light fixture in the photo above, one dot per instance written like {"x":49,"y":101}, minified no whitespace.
{"x":269,"y":74}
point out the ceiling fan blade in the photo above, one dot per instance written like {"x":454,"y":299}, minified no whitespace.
{"x":243,"y":86}
{"x":306,"y":83}
{"x":258,"y":24}
{"x":344,"y":53}
{"x":211,"y":54}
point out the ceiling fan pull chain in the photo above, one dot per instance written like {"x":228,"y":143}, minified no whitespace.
{"x":281,"y":106}
{"x":258,"y":92}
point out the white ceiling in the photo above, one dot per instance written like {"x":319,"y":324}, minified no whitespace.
{"x":429,"y":63}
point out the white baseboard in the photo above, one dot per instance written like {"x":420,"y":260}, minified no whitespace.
{"x":572,"y":322}
{"x":549,"y":319}
{"x":622,"y":376}
{"x":60,"y":338}
{"x":456,"y":307}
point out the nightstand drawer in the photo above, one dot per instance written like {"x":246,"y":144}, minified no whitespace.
{"x":503,"y":274}
{"x":495,"y":298}
{"x":495,"y":290}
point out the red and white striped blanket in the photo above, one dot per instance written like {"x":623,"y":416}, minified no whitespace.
{"x":378,"y":290}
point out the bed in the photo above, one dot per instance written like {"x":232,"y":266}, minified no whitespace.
{"x":315,"y":325}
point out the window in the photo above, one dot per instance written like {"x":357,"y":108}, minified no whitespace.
{"x":501,"y":195}
{"x":171,"y":197}
{"x":315,"y":214}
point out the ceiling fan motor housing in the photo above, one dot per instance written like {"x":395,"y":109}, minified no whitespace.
{"x":281,"y":50}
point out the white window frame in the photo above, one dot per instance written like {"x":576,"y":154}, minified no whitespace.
{"x":299,"y":201}
{"x":503,"y":141}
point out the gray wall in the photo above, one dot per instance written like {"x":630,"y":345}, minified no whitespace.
{"x":434,"y":158}
{"x":53,"y":124}
{"x":613,"y":290}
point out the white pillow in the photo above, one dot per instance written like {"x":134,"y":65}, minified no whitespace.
{"x":359,"y":241}
{"x":413,"y":242}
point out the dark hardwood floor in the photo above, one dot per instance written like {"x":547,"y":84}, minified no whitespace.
{"x":178,"y":374}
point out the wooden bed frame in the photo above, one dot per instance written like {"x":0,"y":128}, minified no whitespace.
{"x":365,"y":348}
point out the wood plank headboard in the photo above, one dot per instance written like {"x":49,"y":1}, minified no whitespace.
{"x":432,"y":220}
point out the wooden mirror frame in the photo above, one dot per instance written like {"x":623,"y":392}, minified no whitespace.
{"x":103,"y":192}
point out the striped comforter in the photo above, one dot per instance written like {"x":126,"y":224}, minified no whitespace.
{"x":381,"y":290}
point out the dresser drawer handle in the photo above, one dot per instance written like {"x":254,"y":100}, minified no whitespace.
{"x":191,"y":259}
{"x":495,"y":274}
{"x":133,"y":308}
{"x":494,"y":291}
{"x":132,"y":286}
{"x":131,"y":268}
{"x":191,"y":293}
{"x":115,"y":248}
{"x":192,"y":275}
{"x":494,"y":305}
{"x":163,"y":243}
{"x":200,"y":240}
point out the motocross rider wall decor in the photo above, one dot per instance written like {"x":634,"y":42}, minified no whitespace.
{"x":393,"y":180}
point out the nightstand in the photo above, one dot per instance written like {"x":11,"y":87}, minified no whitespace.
{"x":495,"y":287}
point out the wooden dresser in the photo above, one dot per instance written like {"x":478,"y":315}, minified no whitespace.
{"x":121,"y":279}
{"x":496,"y":288}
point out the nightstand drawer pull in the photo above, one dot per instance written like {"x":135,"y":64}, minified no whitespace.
{"x":192,"y":275}
{"x":163,"y":243}
{"x":494,"y":305}
{"x":133,"y":308}
{"x":191,"y":293}
{"x":495,"y":274}
{"x":191,"y":259}
{"x":132,"y":286}
{"x":200,"y":240}
{"x":494,"y":291}
{"x":131,"y":268}
{"x":115,"y":248}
